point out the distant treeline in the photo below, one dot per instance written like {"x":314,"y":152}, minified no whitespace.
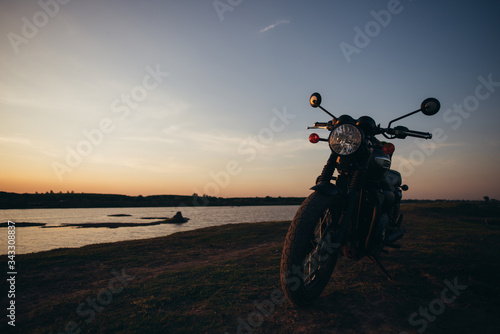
{"x":84,"y":200}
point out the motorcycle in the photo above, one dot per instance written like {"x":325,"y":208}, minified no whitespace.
{"x":355,"y":213}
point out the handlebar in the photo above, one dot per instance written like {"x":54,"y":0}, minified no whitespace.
{"x":402,"y":132}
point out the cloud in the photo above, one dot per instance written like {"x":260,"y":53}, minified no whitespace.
{"x":15,"y":140}
{"x":19,"y":144}
{"x":274,"y":25}
{"x":149,"y":139}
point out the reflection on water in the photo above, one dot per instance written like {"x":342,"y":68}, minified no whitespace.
{"x":35,"y":239}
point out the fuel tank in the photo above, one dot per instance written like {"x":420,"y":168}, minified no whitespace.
{"x":379,"y":164}
{"x":393,"y":180}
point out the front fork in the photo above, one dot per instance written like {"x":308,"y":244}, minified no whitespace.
{"x":327,"y":172}
{"x":352,"y":197}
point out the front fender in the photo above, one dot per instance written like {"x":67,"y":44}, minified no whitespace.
{"x":327,"y":188}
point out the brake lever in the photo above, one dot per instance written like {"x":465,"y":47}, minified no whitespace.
{"x":320,"y":125}
{"x":317,"y":127}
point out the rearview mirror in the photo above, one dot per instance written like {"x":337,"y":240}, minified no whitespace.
{"x":430,"y":106}
{"x":315,"y":100}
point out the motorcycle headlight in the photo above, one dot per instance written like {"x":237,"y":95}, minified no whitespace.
{"x":345,"y":139}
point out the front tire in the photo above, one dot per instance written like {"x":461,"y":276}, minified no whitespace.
{"x":309,"y":255}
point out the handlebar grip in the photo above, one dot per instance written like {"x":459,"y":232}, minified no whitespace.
{"x":402,"y":133}
{"x":418,"y":134}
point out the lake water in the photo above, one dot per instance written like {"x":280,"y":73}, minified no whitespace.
{"x":36,"y":239}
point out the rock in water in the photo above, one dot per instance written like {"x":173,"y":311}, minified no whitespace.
{"x":178,"y":218}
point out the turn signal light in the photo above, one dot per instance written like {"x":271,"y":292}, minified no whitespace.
{"x":314,"y":138}
{"x":388,"y":148}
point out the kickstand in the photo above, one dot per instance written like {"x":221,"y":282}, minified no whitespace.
{"x":381,"y":267}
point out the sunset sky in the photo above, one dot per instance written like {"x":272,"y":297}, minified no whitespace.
{"x":211,"y":97}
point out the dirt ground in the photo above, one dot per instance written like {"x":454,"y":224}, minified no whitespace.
{"x":226,"y":280}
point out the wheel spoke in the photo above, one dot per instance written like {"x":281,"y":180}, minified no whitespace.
{"x":316,"y":258}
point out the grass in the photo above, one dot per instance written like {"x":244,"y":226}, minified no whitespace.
{"x":210,"y":281}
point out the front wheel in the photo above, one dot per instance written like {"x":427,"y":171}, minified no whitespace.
{"x":309,"y":254}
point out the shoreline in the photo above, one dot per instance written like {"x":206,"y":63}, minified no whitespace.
{"x":56,"y":233}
